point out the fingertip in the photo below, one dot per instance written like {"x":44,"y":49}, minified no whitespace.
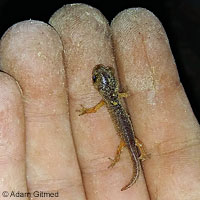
{"x":30,"y":36}
{"x":9,"y":87}
{"x":86,"y":37}
{"x":137,"y":18}
{"x":78,"y":13}
{"x":141,"y":44}
{"x":30,"y":51}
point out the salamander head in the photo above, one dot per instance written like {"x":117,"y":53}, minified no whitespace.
{"x":104,"y":80}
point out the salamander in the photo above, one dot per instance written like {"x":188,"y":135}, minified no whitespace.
{"x":107,"y":85}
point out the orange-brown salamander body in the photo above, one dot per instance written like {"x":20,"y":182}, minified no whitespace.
{"x":108,"y":87}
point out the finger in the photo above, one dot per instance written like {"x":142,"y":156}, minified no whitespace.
{"x":32,"y":52}
{"x":162,"y":116}
{"x":87,"y":42}
{"x":12,"y":140}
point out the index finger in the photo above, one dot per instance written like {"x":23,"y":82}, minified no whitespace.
{"x":158,"y":105}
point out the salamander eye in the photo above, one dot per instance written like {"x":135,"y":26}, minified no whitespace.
{"x":94,"y":78}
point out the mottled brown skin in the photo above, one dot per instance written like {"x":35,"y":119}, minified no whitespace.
{"x":107,"y":85}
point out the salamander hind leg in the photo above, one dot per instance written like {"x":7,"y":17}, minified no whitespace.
{"x":117,"y":156}
{"x":140,"y":146}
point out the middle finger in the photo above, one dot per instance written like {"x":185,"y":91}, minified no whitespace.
{"x":87,"y":41}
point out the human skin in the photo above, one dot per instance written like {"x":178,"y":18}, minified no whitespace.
{"x":45,"y":145}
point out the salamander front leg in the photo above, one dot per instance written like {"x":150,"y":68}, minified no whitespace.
{"x":123,"y":94}
{"x":117,"y":156}
{"x":92,"y":109}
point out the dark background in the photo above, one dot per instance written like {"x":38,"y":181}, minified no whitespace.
{"x":180,"y":18}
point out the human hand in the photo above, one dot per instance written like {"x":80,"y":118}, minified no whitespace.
{"x":47,"y":146}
